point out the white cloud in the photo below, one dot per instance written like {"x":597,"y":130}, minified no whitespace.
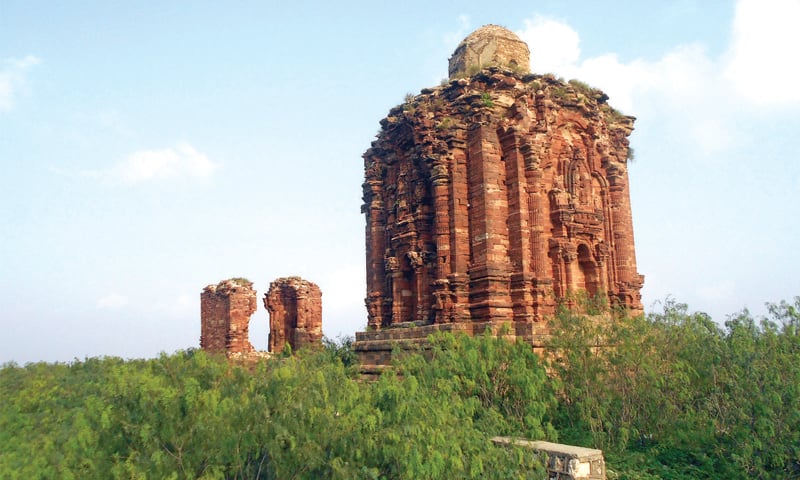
{"x":696,"y":94}
{"x":679,"y":73}
{"x":13,"y":79}
{"x":759,"y":67}
{"x":112,"y":301}
{"x":763,"y":64}
{"x":560,"y":44}
{"x":181,"y":161}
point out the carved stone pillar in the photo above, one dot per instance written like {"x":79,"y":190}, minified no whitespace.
{"x":375,"y":209}
{"x":489,"y":285}
{"x":629,"y":282}
{"x":540,"y":266}
{"x":392,"y":266}
{"x":519,"y":237}
{"x":440,"y":179}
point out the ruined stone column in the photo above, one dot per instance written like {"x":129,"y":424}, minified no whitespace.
{"x":375,"y":240}
{"x":225,"y":311}
{"x":295,"y":313}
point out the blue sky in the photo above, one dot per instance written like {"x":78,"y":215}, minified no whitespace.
{"x":151,"y":148}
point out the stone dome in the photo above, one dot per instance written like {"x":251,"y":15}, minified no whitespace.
{"x":487,"y":46}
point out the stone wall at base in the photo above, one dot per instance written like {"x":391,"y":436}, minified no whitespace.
{"x":374,"y":347}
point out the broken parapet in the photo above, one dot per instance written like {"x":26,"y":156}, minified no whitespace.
{"x":225,"y":311}
{"x":295,"y":313}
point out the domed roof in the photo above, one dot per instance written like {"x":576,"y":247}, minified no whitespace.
{"x":489,"y":45}
{"x":490,"y":30}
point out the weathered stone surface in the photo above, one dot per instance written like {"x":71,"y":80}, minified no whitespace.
{"x":490,"y":45}
{"x":295,"y":313}
{"x":225,"y":311}
{"x":491,"y":199}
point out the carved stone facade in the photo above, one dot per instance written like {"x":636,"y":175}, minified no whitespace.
{"x":491,"y":198}
{"x":225,"y":311}
{"x":295,"y":313}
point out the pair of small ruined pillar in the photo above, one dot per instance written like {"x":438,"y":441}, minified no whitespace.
{"x":294,"y":306}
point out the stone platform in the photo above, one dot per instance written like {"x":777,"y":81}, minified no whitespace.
{"x":374,"y":347}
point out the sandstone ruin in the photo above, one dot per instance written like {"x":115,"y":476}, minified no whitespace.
{"x":295,"y":313}
{"x":491,"y":199}
{"x":225,"y":311}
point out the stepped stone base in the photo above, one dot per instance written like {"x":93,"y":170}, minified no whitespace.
{"x":374,"y":348}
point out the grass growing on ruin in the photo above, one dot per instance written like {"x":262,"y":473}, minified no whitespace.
{"x":582,"y":87}
{"x":486,"y":100}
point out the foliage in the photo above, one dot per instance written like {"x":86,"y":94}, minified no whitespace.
{"x":613,"y":115}
{"x":582,"y":87}
{"x":192,"y":415}
{"x":674,"y":395}
{"x":506,"y":379}
{"x":560,"y":92}
{"x":671,"y":395}
{"x":486,"y":99}
{"x":445,"y":124}
{"x":341,"y":349}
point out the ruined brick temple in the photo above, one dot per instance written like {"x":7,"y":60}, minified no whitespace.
{"x":492,"y":198}
{"x":295,"y":312}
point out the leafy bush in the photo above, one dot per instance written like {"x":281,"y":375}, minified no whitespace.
{"x":671,"y":395}
{"x":676,"y":395}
